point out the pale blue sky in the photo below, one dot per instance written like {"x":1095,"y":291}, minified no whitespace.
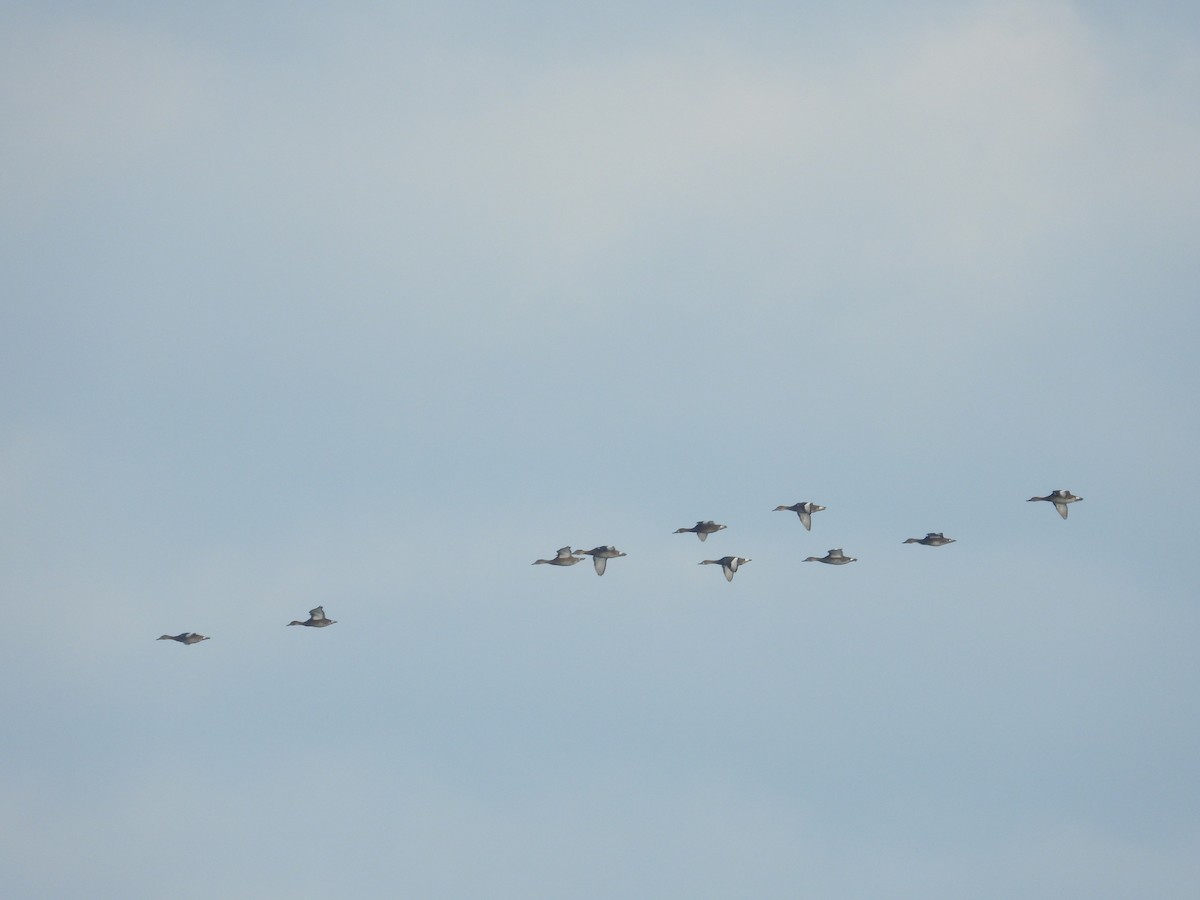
{"x":372,"y":307}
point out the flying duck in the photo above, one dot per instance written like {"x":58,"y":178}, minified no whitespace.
{"x":933,"y":539}
{"x":804,"y":511}
{"x":188,"y":637}
{"x":562,"y":558}
{"x":601,"y":555}
{"x":728,"y":564}
{"x":316,"y":619}
{"x":833,"y":558}
{"x":1060,"y":499}
{"x":702,"y":529}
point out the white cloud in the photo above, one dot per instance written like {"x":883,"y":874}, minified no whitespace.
{"x":948,"y":143}
{"x":929,"y":153}
{"x":82,"y":100}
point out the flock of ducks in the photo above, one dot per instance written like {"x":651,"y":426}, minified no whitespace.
{"x":565,"y":556}
{"x":600,"y":557}
{"x":316,"y":619}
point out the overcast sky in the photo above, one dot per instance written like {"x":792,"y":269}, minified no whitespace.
{"x":370,"y":305}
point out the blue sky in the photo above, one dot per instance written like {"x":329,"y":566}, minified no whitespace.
{"x":372,"y":307}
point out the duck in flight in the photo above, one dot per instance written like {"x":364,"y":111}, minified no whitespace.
{"x":804,"y":511}
{"x":601,"y":555}
{"x":933,"y":539}
{"x":833,"y":558}
{"x":188,"y":637}
{"x":702,"y":529}
{"x":563,"y":557}
{"x":316,"y":619}
{"x":728,"y":564}
{"x":1060,"y":499}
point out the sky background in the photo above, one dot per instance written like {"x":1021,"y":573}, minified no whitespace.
{"x":372,"y":305}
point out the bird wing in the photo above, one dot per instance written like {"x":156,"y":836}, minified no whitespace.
{"x":318,"y":613}
{"x":600,"y":563}
{"x":805,"y":520}
{"x":1062,"y":508}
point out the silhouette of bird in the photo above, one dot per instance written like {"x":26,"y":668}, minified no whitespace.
{"x":562,"y":558}
{"x":933,"y":539}
{"x":316,"y":619}
{"x":833,"y":558}
{"x":601,"y":555}
{"x":804,"y":511}
{"x":702,"y":529}
{"x":188,"y":637}
{"x":1060,"y":499}
{"x":728,"y":564}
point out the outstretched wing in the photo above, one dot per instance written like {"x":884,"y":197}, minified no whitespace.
{"x":1062,"y":508}
{"x":600,"y":563}
{"x":805,"y":520}
{"x":317,"y":614}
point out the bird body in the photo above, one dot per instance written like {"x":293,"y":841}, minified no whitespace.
{"x":933,"y":539}
{"x":563,"y":557}
{"x":601,"y":555}
{"x":1060,"y":499}
{"x":729,"y":564}
{"x":833,"y":558}
{"x":804,"y":511}
{"x":188,"y":637}
{"x":316,"y":619}
{"x":702,"y":529}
